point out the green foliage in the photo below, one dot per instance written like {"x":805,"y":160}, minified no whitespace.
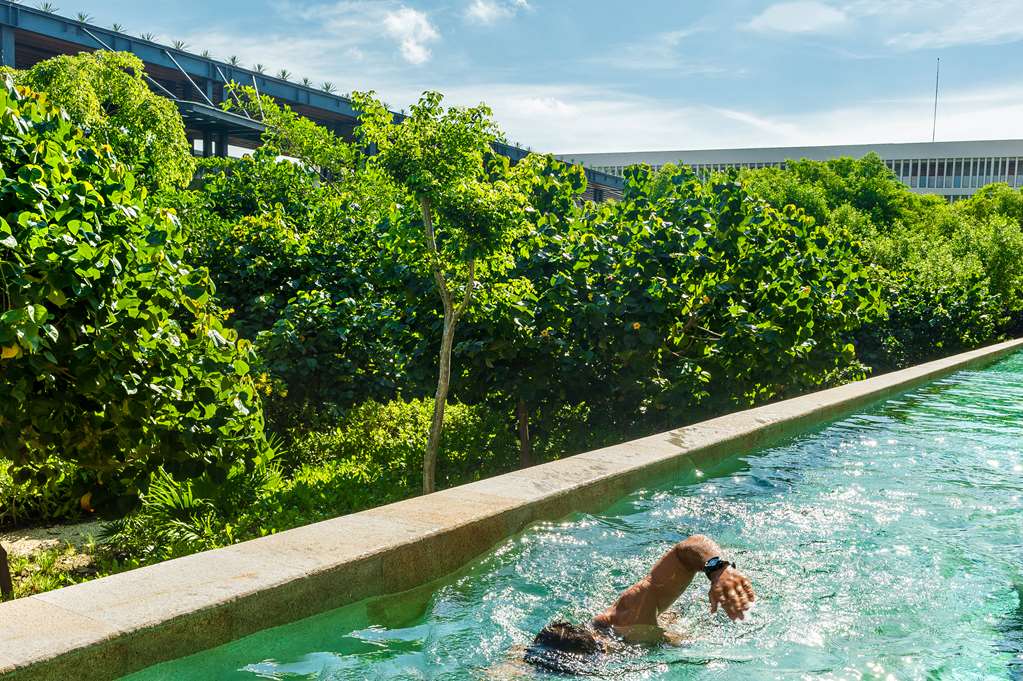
{"x":291,"y":134}
{"x":671,"y":296}
{"x":58,"y":498}
{"x":135,"y":347}
{"x":113,"y":353}
{"x":373,"y":457}
{"x":336,"y":350}
{"x":768,"y":299}
{"x":178,"y":517}
{"x":929,"y":320}
{"x":299,"y":268}
{"x":950,"y":275}
{"x":443,"y":161}
{"x":257,"y":183}
{"x":383,"y":443}
{"x":106,"y":95}
{"x":820,"y":187}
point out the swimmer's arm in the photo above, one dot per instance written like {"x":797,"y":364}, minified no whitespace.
{"x":640,"y":604}
{"x":672,"y":574}
{"x":729,"y":589}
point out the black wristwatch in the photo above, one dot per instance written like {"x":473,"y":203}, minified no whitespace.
{"x":715,"y":564}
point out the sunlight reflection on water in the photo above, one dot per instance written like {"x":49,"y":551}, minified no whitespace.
{"x":885,"y":545}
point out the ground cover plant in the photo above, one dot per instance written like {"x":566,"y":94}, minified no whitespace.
{"x":312,"y":330}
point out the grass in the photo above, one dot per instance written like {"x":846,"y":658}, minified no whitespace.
{"x":63,"y":566}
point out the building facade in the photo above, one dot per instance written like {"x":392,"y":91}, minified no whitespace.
{"x":954,"y":170}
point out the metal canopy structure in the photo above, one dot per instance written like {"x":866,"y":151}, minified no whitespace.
{"x":197,"y":83}
{"x":219,"y":126}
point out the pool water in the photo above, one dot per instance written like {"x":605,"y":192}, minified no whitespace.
{"x":885,"y":545}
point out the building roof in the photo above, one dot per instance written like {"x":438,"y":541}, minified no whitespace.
{"x":958,"y":149}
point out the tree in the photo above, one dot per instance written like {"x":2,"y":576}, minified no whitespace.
{"x":112,"y":351}
{"x":443,"y":161}
{"x":291,"y":134}
{"x":518,"y":343}
{"x":106,"y":94}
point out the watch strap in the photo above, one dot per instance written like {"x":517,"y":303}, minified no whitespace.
{"x":715,"y":564}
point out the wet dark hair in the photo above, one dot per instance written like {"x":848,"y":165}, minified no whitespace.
{"x":568,"y":638}
{"x":563,"y":647}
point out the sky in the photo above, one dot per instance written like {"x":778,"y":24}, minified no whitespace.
{"x":580,"y":76}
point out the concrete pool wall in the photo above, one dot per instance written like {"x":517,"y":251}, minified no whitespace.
{"x":112,"y":626}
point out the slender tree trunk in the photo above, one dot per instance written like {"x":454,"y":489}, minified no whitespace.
{"x":452,"y":313}
{"x":439,"y":402}
{"x":525,"y":447}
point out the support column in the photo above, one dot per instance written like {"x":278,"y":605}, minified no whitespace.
{"x":222,"y":145}
{"x":207,"y":143}
{"x":7,"y":46}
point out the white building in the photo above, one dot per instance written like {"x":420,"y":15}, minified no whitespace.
{"x":951,"y":169}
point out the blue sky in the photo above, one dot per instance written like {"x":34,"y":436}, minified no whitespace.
{"x":595,"y":75}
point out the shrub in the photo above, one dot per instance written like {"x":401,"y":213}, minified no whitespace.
{"x":106,"y":94}
{"x":112,"y":352}
{"x":927,"y":318}
{"x":334,"y":350}
{"x":374,"y":457}
{"x":390,"y":438}
{"x":58,"y":498}
{"x":178,"y":517}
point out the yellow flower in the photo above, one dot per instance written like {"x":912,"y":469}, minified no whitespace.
{"x":635,"y":326}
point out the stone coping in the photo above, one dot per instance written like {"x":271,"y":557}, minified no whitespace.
{"x":113,"y":626}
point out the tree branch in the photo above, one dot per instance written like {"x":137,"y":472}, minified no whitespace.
{"x":431,"y":244}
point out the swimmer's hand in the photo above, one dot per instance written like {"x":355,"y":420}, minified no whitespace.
{"x":731,"y":591}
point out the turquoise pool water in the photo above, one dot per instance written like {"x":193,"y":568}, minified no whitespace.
{"x":886,"y":545}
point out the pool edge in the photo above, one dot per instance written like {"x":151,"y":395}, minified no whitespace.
{"x":113,"y":626}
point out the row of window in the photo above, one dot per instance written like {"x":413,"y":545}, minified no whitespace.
{"x":939,"y":173}
{"x":713,"y":167}
{"x":955,"y":173}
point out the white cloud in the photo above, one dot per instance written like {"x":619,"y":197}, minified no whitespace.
{"x":414,"y":32}
{"x":362,"y":24}
{"x":567,"y":118}
{"x":662,"y":52}
{"x":801,"y":16}
{"x":974,"y":22}
{"x":488,"y":12}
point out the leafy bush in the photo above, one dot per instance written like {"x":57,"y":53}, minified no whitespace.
{"x":112,"y":352}
{"x":951,"y":276}
{"x":179,"y":517}
{"x":58,"y":498}
{"x":373,"y":458}
{"x":105,"y":93}
{"x":925,"y":321}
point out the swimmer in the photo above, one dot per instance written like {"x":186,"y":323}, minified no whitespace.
{"x":640,"y":611}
